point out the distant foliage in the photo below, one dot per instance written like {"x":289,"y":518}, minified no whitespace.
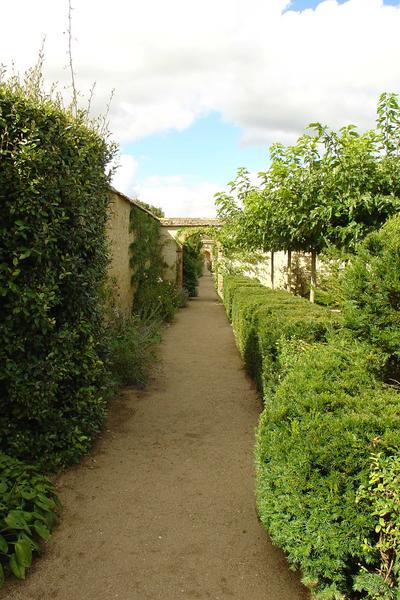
{"x":28,"y":513}
{"x":192,"y":263}
{"x":153,"y":295}
{"x":53,"y":258}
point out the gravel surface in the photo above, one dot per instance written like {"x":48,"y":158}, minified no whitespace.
{"x":163,"y":508}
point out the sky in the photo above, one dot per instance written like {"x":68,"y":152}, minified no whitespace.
{"x":203,"y":88}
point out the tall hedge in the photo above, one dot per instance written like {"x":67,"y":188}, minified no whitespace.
{"x":53,"y":258}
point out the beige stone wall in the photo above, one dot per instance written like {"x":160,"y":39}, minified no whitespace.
{"x":169,"y":250}
{"x":120,"y":238}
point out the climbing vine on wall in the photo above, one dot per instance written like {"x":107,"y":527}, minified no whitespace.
{"x":153,"y":295}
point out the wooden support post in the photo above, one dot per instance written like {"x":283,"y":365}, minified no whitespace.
{"x":313,"y":285}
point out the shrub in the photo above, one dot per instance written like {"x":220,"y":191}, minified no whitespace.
{"x":132,"y":343}
{"x":231,"y":283}
{"x":382,"y":496}
{"x":314,"y":442}
{"x":372,"y":293}
{"x":156,"y":300}
{"x":28,"y":514}
{"x":192,"y":263}
{"x":261,"y":317}
{"x":53,"y":204}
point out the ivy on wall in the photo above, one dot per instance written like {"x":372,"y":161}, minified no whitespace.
{"x":153,"y":296}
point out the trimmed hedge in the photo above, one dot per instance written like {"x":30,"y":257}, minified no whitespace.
{"x":53,"y":258}
{"x":261,"y":317}
{"x":327,"y":442}
{"x":314,"y":443}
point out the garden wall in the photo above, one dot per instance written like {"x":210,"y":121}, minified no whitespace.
{"x":120,"y":236}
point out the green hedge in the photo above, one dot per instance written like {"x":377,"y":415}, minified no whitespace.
{"x":371,"y":285}
{"x":261,"y":317}
{"x":314,"y":443}
{"x":53,"y":258}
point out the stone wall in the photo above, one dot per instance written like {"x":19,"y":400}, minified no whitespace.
{"x":171,"y":253}
{"x":120,"y":237}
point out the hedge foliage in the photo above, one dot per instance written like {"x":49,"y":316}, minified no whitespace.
{"x":371,"y":285}
{"x":53,"y":258}
{"x":192,"y":263}
{"x":28,"y":512}
{"x":314,"y":442}
{"x":261,"y":318}
{"x":328,"y":440}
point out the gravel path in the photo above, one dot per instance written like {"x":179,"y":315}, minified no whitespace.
{"x":163,"y":508}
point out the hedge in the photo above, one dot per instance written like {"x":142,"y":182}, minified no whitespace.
{"x":371,"y":285}
{"x":53,"y":258}
{"x":328,"y":442}
{"x":314,"y":445}
{"x":261,"y":317}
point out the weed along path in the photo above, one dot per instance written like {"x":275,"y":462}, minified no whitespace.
{"x":163,"y":508}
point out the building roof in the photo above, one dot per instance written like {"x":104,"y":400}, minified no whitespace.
{"x":190,"y":222}
{"x":133,"y":202}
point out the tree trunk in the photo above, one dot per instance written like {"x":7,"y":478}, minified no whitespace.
{"x":289,"y":272}
{"x":313,"y":275}
{"x":272,"y":270}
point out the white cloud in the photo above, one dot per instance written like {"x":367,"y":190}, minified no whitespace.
{"x":178,"y":197}
{"x":124,"y":178}
{"x":266,"y":70}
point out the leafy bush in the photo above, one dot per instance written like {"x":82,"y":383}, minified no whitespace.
{"x":262,"y":317}
{"x":372,"y":293}
{"x":192,"y":263}
{"x":314,"y":442}
{"x":132,"y":343}
{"x":156,"y":300}
{"x":53,"y":258}
{"x":382,"y":495}
{"x":28,"y":514}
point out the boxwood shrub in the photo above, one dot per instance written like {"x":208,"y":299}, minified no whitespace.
{"x":53,"y":257}
{"x":314,"y":442}
{"x":261,"y":317}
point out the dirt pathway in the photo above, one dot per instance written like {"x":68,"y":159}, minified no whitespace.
{"x":163,"y":508}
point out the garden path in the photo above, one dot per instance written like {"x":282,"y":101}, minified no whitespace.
{"x":163,"y":508}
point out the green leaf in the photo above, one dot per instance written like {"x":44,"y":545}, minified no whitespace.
{"x":23,"y":553}
{"x":41,"y":530}
{"x":18,"y":570}
{"x":3,"y":545}
{"x":15,"y":520}
{"x":28,"y":493}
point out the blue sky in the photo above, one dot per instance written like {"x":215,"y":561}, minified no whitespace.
{"x":303,"y":4}
{"x":210,"y":149}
